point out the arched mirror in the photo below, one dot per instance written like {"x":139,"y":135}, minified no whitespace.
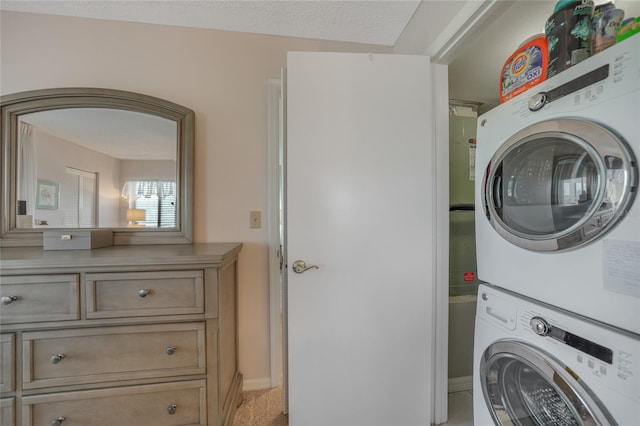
{"x":96,"y":158}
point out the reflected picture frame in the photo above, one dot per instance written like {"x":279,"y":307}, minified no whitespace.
{"x":47,"y":195}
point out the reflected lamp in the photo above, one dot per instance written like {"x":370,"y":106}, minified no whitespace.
{"x":136,"y":215}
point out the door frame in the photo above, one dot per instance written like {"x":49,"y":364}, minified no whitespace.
{"x":274,"y":146}
{"x":441,"y":274}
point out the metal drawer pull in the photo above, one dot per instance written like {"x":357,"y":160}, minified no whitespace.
{"x":170,"y":350}
{"x":56,"y":359}
{"x":58,"y":421}
{"x":172,"y":409}
{"x":144,"y":292}
{"x":6,"y":300}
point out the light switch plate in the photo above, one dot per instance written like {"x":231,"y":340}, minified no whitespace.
{"x":255,"y":220}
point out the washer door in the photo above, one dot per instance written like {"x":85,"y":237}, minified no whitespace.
{"x":559,"y":184}
{"x":525,"y":386}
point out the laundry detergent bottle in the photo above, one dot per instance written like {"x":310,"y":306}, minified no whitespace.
{"x":525,"y":68}
{"x":568,"y":33}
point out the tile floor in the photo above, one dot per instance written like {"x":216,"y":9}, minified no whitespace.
{"x":460,"y":409}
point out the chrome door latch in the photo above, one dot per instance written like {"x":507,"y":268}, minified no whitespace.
{"x":299,"y":267}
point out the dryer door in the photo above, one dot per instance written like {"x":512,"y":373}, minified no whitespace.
{"x":559,"y":184}
{"x":525,"y":386}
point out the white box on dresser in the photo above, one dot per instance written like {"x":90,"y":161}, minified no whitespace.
{"x":126,"y":335}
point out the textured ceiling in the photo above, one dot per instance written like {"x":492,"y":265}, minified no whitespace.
{"x":377,"y":22}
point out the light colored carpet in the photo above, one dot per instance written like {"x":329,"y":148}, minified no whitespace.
{"x":261,"y":408}
{"x":264,"y":408}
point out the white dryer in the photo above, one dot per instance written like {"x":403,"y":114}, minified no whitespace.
{"x":538,"y":365}
{"x":557,"y":211}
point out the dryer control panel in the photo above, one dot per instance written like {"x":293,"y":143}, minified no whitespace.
{"x":540,"y":99}
{"x":604,"y":77}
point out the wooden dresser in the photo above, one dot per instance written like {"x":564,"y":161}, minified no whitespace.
{"x":126,"y":335}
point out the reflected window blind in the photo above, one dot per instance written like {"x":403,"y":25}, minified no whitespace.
{"x":158,"y":199}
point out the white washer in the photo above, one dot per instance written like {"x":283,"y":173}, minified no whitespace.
{"x":538,"y":365}
{"x":557,"y":215}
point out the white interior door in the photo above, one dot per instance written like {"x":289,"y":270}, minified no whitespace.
{"x":78,"y":198}
{"x":360,"y":205}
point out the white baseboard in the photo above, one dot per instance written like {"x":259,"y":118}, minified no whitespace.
{"x":458,"y":384}
{"x":256,"y":384}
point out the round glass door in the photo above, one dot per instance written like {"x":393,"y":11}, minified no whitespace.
{"x":559,"y":184}
{"x":525,"y":386}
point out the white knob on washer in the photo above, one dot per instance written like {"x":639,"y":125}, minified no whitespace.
{"x":540,"y":326}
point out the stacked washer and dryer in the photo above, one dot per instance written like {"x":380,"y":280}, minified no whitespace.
{"x":557,"y":338}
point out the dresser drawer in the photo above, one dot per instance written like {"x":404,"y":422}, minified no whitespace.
{"x":136,"y":294}
{"x":128,"y":406}
{"x":91,"y":355}
{"x":7,"y":362}
{"x":36,"y":298}
{"x":7,"y":411}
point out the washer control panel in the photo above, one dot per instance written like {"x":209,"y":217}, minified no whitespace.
{"x":595,"y":353}
{"x":542,"y":328}
{"x":598,"y":354}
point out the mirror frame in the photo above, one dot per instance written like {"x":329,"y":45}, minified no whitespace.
{"x":14,"y":105}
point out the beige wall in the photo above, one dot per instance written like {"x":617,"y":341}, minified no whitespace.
{"x":54,"y":155}
{"x":223,"y":77}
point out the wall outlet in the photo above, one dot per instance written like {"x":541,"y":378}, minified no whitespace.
{"x":255,"y":220}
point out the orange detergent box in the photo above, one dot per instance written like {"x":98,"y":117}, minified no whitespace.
{"x":524,"y":69}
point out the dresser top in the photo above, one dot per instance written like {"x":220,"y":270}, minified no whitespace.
{"x":176,"y":254}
